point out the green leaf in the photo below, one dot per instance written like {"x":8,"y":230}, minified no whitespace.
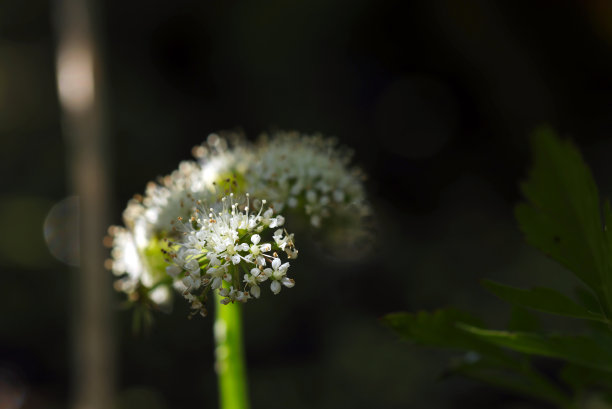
{"x":433,"y":328}
{"x":522,"y":319}
{"x":439,"y":329}
{"x":484,"y":361}
{"x":579,"y":377}
{"x":576,"y":349}
{"x":562,"y":216}
{"x":586,"y":298}
{"x":542,"y":299}
{"x":528,"y":382}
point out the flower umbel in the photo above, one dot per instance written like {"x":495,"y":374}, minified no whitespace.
{"x":227,"y":242}
{"x":308,"y":174}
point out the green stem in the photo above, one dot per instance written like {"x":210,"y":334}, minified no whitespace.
{"x":229,"y":352}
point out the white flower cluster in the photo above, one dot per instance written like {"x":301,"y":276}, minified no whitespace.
{"x":225,"y":245}
{"x":306,"y":176}
{"x":307,"y":173}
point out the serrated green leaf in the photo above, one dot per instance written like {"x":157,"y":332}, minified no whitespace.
{"x":576,"y":349}
{"x":562,"y":216}
{"x":542,"y":299}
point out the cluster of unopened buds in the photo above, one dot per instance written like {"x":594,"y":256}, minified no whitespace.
{"x":232,"y":250}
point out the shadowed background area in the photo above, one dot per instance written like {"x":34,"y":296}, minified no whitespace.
{"x":435,"y":98}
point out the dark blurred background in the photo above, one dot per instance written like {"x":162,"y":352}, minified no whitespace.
{"x":437,"y":99}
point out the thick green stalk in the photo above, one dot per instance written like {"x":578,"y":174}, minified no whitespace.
{"x":229,"y":352}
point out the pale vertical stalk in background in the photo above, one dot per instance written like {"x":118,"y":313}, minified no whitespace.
{"x":79,"y":88}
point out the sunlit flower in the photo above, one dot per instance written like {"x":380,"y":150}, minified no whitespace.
{"x":306,"y":177}
{"x":223,"y":243}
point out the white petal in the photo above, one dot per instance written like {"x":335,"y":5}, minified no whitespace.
{"x":291,"y":253}
{"x":275,"y":287}
{"x":276,"y":263}
{"x":295,"y":189}
{"x":173,"y":270}
{"x":217,"y":281}
{"x":192,"y":265}
{"x":256,"y":291}
{"x":161,"y":295}
{"x":288,"y":282}
{"x":315,"y":220}
{"x":227,"y":277}
{"x":255,"y":272}
{"x":236,"y":259}
{"x":265,"y":247}
{"x":188,"y":281}
{"x":255,"y":238}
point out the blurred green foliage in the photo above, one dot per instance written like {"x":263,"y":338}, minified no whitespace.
{"x":562,"y":217}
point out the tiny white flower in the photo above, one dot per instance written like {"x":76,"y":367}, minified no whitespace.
{"x":192,"y":265}
{"x":173,"y":270}
{"x":216,"y":283}
{"x":221,"y":249}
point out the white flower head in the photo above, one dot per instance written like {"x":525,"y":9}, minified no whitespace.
{"x":228,"y":242}
{"x":290,"y":170}
{"x":232,"y":244}
{"x":307,"y":172}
